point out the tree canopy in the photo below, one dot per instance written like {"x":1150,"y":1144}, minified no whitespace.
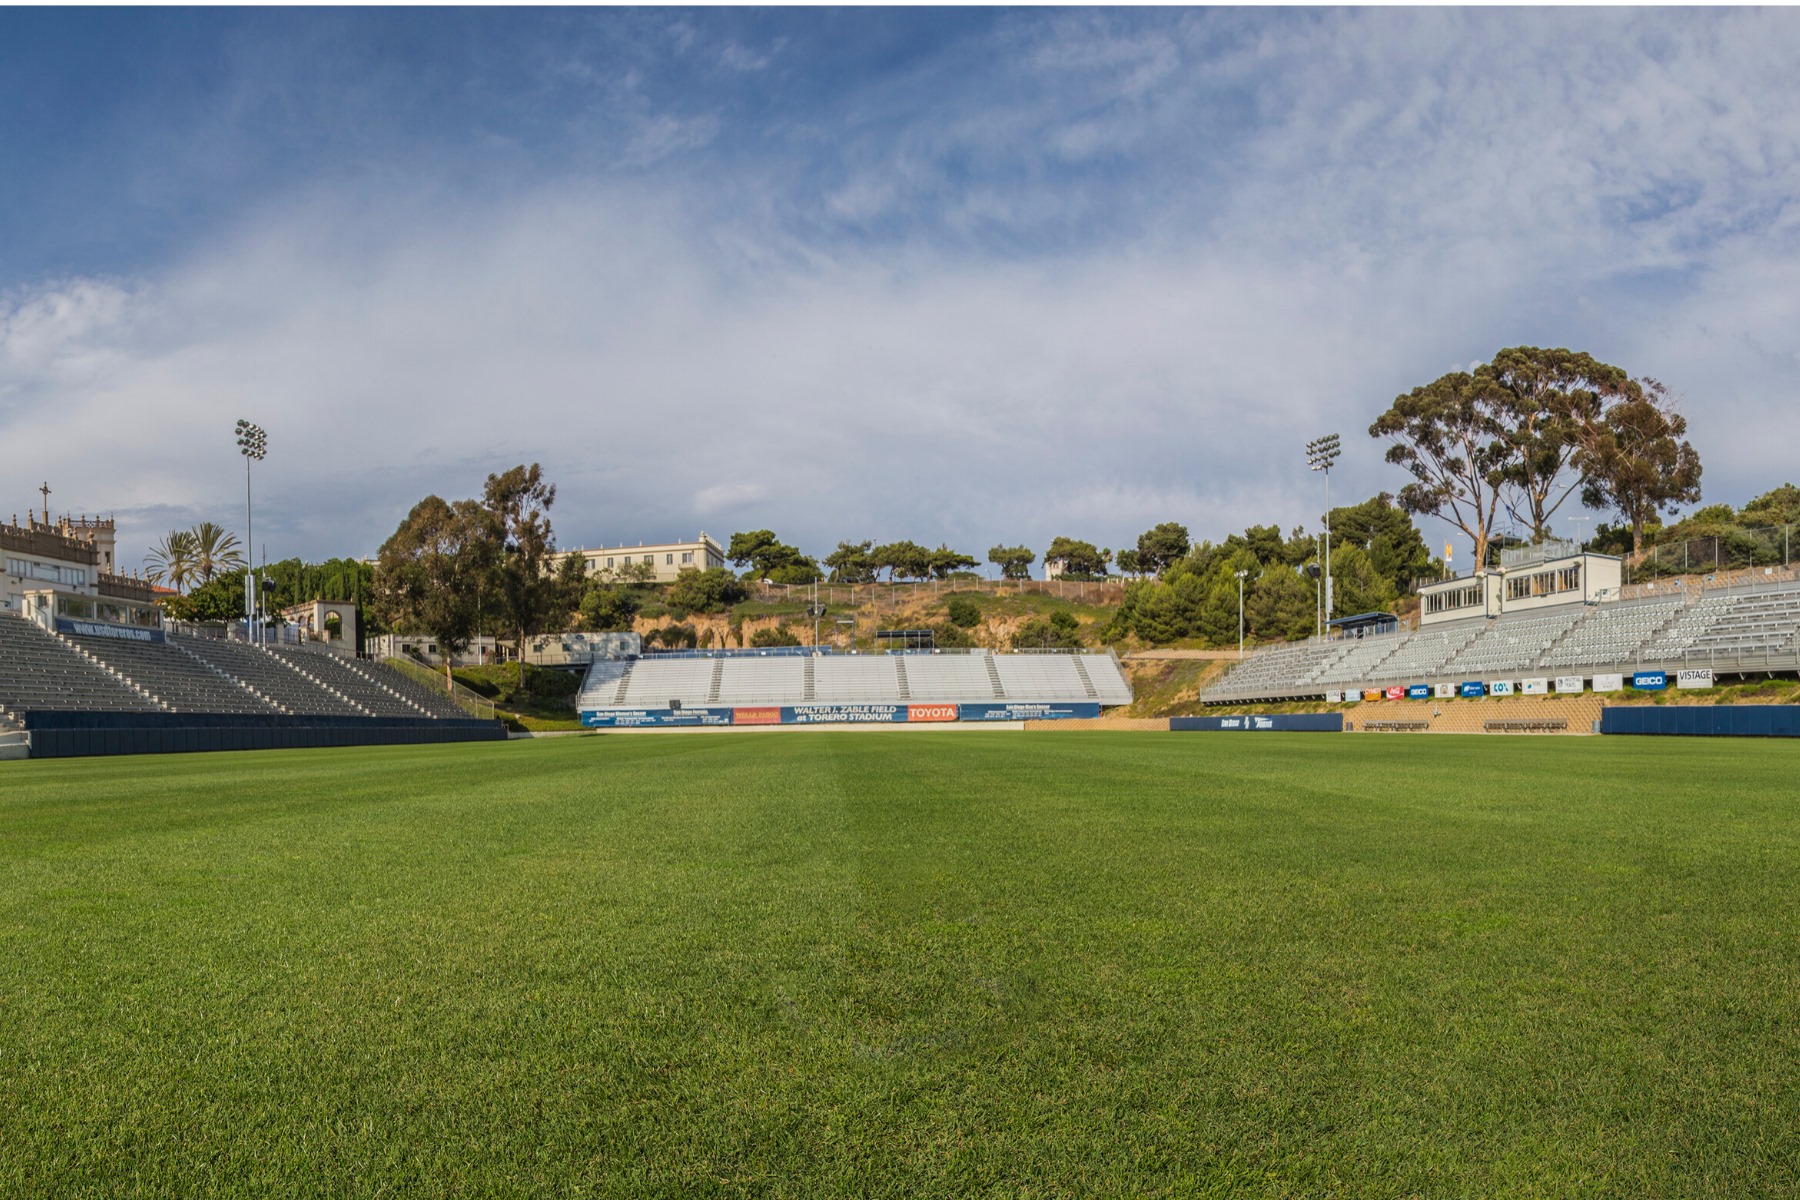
{"x":1014,"y":561}
{"x":1636,"y":463}
{"x":1076,"y":560}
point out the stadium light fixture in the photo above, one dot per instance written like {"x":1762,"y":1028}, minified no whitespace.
{"x":1240,"y":579}
{"x":253,"y":444}
{"x":1320,"y":454}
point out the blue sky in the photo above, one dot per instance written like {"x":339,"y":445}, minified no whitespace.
{"x":955,"y":275}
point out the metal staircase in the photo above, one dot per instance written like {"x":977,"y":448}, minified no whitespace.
{"x":994,"y":677}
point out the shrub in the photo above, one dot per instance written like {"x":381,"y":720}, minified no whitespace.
{"x":963,"y":612}
{"x":782,"y":636}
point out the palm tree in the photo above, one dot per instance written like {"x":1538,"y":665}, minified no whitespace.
{"x":172,"y":559}
{"x":215,"y":550}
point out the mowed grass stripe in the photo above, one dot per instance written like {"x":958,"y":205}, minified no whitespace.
{"x":931,"y":964}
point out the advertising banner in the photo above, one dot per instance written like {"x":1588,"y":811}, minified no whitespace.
{"x":930,"y":712}
{"x":842,"y":714}
{"x":1334,"y":697}
{"x":1418,"y":691}
{"x":1609,"y":683}
{"x":1649,"y":681}
{"x":1262,"y":723}
{"x":1568,"y":684}
{"x":1472,"y":689}
{"x":1352,"y":697}
{"x":1534,"y":687}
{"x":640,"y":718}
{"x":1019,"y":712}
{"x":1397,"y":692}
{"x":1444,"y":691}
{"x":1372,"y":694}
{"x":120,"y":633}
{"x":765,"y":715}
{"x":1696,"y":677}
{"x":1500,"y":687}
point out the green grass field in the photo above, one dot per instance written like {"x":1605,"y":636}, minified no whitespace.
{"x":906,"y":965}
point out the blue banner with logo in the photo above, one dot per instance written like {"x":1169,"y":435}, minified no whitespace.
{"x":1262,"y":723}
{"x":1026,"y":712}
{"x":653,"y":718}
{"x":1419,"y":691}
{"x":1649,"y":681}
{"x":1471,"y":689}
{"x":119,"y":633}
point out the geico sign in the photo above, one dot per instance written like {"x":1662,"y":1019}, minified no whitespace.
{"x":931,"y":712}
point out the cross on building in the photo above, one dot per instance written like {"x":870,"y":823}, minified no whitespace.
{"x":45,"y":488}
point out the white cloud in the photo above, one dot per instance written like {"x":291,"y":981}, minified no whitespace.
{"x":1400,"y":192}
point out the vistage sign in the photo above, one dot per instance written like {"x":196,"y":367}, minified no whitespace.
{"x":1694,"y":677}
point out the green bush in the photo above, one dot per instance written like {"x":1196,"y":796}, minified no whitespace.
{"x":963,"y":612}
{"x":782,"y":636}
{"x":710,"y":591}
{"x":1061,"y":632}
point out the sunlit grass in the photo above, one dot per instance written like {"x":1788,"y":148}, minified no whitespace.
{"x":898,"y":965}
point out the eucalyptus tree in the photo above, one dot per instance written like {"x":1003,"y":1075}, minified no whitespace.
{"x":1637,"y":463}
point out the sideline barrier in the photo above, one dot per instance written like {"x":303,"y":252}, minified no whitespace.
{"x":1263,"y":723}
{"x":1701,"y":720}
{"x":83,"y":734}
{"x":833,"y":714}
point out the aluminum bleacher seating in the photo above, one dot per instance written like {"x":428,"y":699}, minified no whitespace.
{"x":368,"y":691}
{"x":1426,"y":653}
{"x":1039,"y":677}
{"x":950,"y":678}
{"x":1730,"y":626}
{"x":270,"y":676}
{"x":179,"y":680}
{"x":1731,"y":629}
{"x":1511,"y":644}
{"x":1611,"y":634}
{"x":654,"y":681}
{"x":786,"y":679}
{"x":854,"y":679}
{"x":1360,"y":662}
{"x":39,"y":673}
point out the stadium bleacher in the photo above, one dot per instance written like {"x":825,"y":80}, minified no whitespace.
{"x":1749,"y":629}
{"x":40,"y":673}
{"x":85,"y":693}
{"x":739,"y":679}
{"x":179,"y":680}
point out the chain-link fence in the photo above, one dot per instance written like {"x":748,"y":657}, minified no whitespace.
{"x":1736,"y":548}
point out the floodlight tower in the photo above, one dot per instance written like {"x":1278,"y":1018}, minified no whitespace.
{"x":1320,"y":454}
{"x":1240,"y":579}
{"x":253,"y":444}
